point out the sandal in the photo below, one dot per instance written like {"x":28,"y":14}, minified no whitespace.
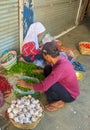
{"x":54,"y":106}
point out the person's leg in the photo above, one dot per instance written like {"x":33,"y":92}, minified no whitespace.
{"x":47,"y":70}
{"x":27,"y":58}
{"x":58,"y":92}
{"x":56,"y":97}
{"x":39,"y":56}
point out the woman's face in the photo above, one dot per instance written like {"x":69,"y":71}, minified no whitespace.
{"x":47,"y":58}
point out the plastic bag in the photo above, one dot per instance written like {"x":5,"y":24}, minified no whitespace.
{"x":28,"y":92}
{"x":47,"y":38}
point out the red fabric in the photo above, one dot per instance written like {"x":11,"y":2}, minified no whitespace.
{"x":5,"y":87}
{"x":29,"y":49}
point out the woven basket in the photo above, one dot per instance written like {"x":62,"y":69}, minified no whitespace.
{"x":9,"y":59}
{"x":84,"y":48}
{"x":28,"y":126}
{"x":25,"y":126}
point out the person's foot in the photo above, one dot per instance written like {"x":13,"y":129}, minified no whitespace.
{"x":54,"y":106}
{"x":21,"y":59}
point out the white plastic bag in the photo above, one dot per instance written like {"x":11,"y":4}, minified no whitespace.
{"x":28,"y":92}
{"x":47,"y":38}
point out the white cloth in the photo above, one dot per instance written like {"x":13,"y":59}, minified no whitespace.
{"x":33,"y":31}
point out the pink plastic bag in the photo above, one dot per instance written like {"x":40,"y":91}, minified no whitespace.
{"x":1,"y":99}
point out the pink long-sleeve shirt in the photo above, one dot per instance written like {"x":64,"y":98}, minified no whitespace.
{"x":63,"y":73}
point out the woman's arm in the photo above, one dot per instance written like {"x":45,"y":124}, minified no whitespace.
{"x":38,"y":71}
{"x":23,"y":84}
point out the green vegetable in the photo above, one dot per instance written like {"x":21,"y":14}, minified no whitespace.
{"x":23,"y":89}
{"x":36,"y":95}
{"x":25,"y":69}
{"x":29,"y":82}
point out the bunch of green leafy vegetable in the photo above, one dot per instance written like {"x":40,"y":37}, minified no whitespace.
{"x":27,"y":81}
{"x":23,"y":89}
{"x":36,"y":95}
{"x":25,"y":69}
{"x":28,"y":70}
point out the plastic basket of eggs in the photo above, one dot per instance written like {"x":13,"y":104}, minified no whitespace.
{"x":26,"y":112}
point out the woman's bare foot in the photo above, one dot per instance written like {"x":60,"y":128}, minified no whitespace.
{"x":21,"y":59}
{"x":54,"y":106}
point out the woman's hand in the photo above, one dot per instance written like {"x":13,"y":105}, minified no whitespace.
{"x":38,"y":71}
{"x":23,"y":84}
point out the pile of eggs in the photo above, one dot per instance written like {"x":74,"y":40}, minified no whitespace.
{"x":25,"y":110}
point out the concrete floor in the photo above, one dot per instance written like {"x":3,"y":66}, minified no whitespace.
{"x":76,"y":115}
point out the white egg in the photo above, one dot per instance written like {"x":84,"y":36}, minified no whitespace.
{"x":33,"y":119}
{"x":31,"y":112}
{"x":9,"y":110}
{"x":28,"y":107}
{"x":14,"y":102}
{"x":17,"y":105}
{"x":34,"y":102}
{"x":28,"y":114}
{"x":22,"y":115}
{"x":32,"y":106}
{"x":24,"y":110}
{"x":22,"y":101}
{"x":40,"y":109}
{"x":37,"y":101}
{"x":32,"y":99}
{"x":27,"y":102}
{"x":15,"y":110}
{"x":36,"y":113}
{"x":29,"y":96}
{"x":12,"y":106}
{"x":21,"y":106}
{"x":40,"y":115}
{"x":20,"y":110}
{"x":11,"y":115}
{"x":21,"y":121}
{"x":38,"y":106}
{"x":29,"y":121}
{"x":26,"y":120}
{"x":18,"y":102}
{"x":16,"y":119}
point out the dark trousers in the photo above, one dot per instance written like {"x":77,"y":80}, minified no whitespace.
{"x":37,"y":57}
{"x":56,"y":92}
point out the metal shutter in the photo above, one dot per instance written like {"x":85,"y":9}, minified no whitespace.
{"x":56,"y":15}
{"x":9,"y":28}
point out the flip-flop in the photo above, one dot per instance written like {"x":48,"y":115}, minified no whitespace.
{"x":54,"y":106}
{"x":50,"y":108}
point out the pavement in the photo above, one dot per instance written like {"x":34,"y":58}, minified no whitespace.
{"x":75,"y":115}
